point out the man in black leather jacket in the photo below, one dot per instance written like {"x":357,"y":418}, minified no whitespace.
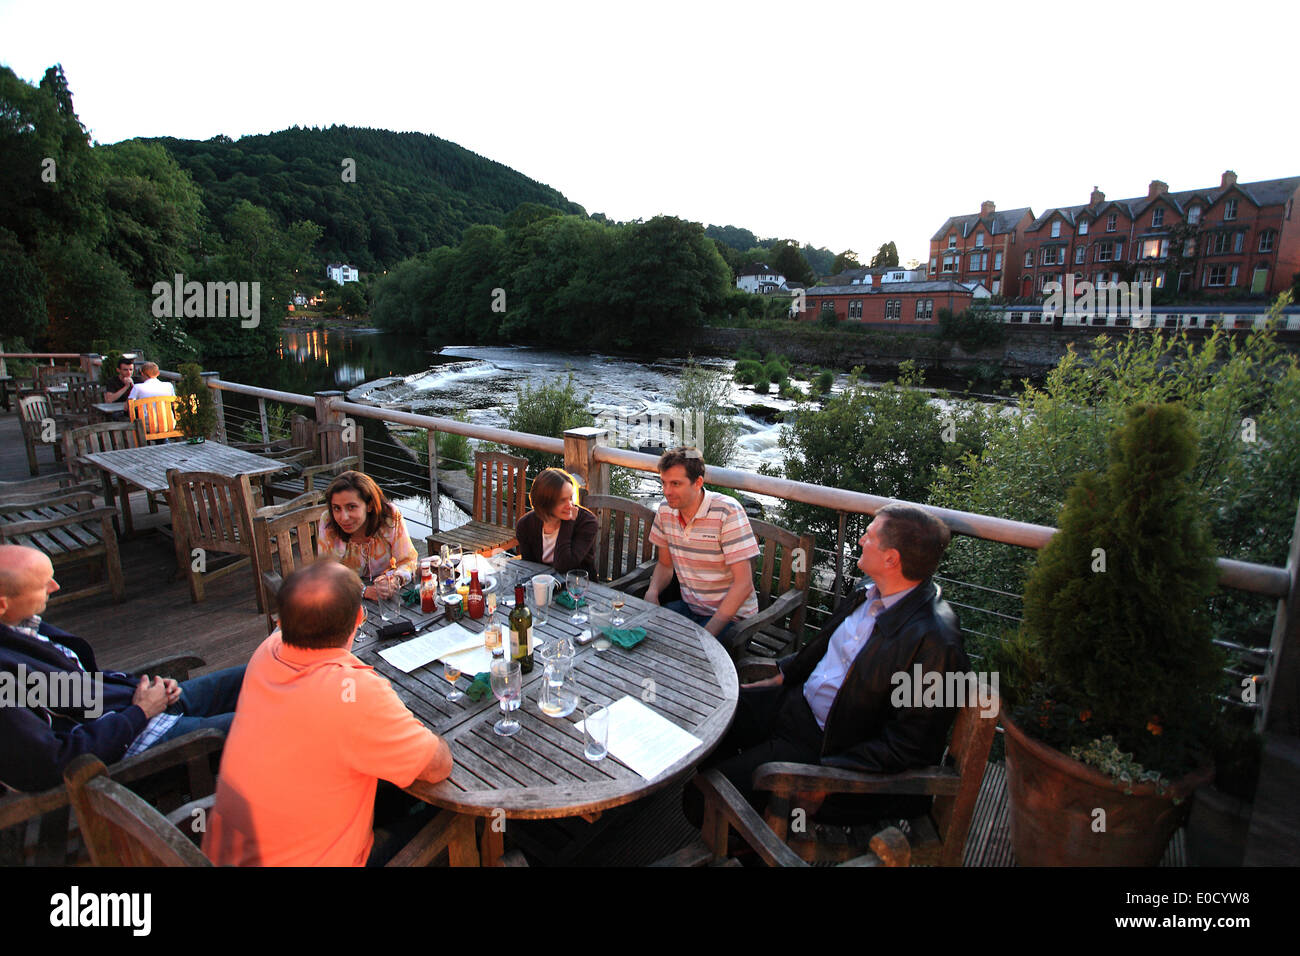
{"x":841,"y":701}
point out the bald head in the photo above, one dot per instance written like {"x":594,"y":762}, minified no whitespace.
{"x":26,"y":582}
{"x":320,"y":605}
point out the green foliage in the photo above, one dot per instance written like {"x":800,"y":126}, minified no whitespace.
{"x":747,"y":371}
{"x":788,"y":261}
{"x":277,"y":424}
{"x":454,"y":449}
{"x":824,"y":382}
{"x":1115,"y":606}
{"x":975,"y":329}
{"x":762,"y":384}
{"x":548,"y":409}
{"x":196,"y":415}
{"x":886,"y":441}
{"x":848,"y":259}
{"x":705,"y":395}
{"x":886,"y":255}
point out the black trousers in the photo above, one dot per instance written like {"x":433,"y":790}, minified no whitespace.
{"x":776,"y":724}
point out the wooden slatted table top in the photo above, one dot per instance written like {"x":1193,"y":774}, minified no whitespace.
{"x":540,"y":772}
{"x":147,"y":467}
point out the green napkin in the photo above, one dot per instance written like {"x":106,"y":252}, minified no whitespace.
{"x":565,"y":600}
{"x":482,"y":685}
{"x":411,"y":596}
{"x":626,"y":638}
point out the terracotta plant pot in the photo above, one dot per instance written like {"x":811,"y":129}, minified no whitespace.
{"x":1053,"y":802}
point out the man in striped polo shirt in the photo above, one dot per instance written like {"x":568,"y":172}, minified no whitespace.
{"x":706,"y":539}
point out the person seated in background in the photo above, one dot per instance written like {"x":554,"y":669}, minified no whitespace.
{"x":152,"y":386}
{"x":557,"y":531}
{"x":367,"y":533}
{"x":119,"y":390}
{"x":314,"y":733}
{"x":111,"y":715}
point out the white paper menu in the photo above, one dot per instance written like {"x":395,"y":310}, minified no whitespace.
{"x":432,"y":646}
{"x":644,"y":740}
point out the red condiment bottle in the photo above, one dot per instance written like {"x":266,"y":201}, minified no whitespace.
{"x":474,"y":600}
{"x":428,"y":589}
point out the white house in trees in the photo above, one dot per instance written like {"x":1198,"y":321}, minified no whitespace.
{"x":342,"y":273}
{"x":760,"y":277}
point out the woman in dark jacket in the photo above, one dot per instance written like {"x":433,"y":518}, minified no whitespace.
{"x":556,"y":531}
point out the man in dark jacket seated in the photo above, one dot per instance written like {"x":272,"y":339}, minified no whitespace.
{"x":54,"y":702}
{"x":845,"y":700}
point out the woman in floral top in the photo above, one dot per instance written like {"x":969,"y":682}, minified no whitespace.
{"x":366,"y":533}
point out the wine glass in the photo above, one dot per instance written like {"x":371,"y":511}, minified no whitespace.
{"x":507,"y":685}
{"x":452,"y":674}
{"x":577,"y":582}
{"x":457,"y":556}
{"x":617,"y":604}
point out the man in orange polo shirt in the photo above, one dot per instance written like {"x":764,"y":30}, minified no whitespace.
{"x":314,"y":731}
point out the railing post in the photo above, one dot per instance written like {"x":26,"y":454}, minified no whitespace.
{"x":218,"y":405}
{"x":330,"y":440}
{"x":88,"y":362}
{"x":579,"y":459}
{"x":261,"y":414}
{"x":1280,"y":712}
{"x":435,"y":497}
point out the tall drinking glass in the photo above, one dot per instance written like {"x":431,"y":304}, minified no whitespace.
{"x":577,"y":582}
{"x":508,"y":686}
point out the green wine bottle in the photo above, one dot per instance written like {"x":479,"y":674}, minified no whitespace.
{"x":521,"y":632}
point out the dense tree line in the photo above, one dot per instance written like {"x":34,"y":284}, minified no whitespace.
{"x":378,"y":196}
{"x":559,"y":279}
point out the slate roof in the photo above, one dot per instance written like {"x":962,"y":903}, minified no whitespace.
{"x":997,"y":223}
{"x":1268,"y":192}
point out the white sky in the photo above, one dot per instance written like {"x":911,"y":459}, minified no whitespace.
{"x":836,"y":123}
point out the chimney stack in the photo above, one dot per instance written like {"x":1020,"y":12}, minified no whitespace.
{"x":987,"y":207}
{"x":1156,"y":188}
{"x":1097,"y":197}
{"x":1229,"y":179}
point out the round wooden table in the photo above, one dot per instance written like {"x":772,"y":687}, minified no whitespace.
{"x":679,"y":671}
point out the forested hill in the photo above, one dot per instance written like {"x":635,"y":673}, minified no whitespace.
{"x":411,"y":191}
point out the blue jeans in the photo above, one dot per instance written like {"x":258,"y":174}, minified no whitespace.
{"x":207,"y":701}
{"x":684,"y":609}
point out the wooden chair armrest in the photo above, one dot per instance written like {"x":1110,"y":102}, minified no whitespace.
{"x":751,"y":669}
{"x":18,"y":807}
{"x":10,"y":528}
{"x":183,"y":818}
{"x":271,"y":583}
{"x":782,"y":606}
{"x":302,"y":501}
{"x":32,"y":486}
{"x":83,"y":494}
{"x":334,"y":467}
{"x":725,"y":809}
{"x":175,"y":666}
{"x":642,"y":572}
{"x":787,"y":779}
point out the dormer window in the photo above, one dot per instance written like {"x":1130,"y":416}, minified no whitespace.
{"x":1194,"y":215}
{"x":1083,"y":228}
{"x":1157,"y":218}
{"x":1056,"y":228}
{"x":952,"y":242}
{"x":979,"y":240}
{"x":1229,"y":209}
{"x":1110,"y":222}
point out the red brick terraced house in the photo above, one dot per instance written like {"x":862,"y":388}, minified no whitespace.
{"x":982,"y":247}
{"x":893,"y":303}
{"x":1231,"y":238}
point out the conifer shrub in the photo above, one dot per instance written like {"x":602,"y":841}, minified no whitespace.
{"x":196,"y":415}
{"x":1116,"y":637}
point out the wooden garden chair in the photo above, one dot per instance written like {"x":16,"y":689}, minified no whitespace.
{"x":781,"y":581}
{"x":624,"y":555}
{"x":285,"y":540}
{"x":171,"y":771}
{"x":937,"y":839}
{"x":499,"y":502}
{"x":158,"y":415}
{"x":106,"y":436}
{"x":40,"y":426}
{"x":213,"y":513}
{"x":68,"y":527}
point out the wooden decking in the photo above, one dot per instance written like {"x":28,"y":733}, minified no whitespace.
{"x":158,"y":618}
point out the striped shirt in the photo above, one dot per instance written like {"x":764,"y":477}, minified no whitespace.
{"x":719,"y":535}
